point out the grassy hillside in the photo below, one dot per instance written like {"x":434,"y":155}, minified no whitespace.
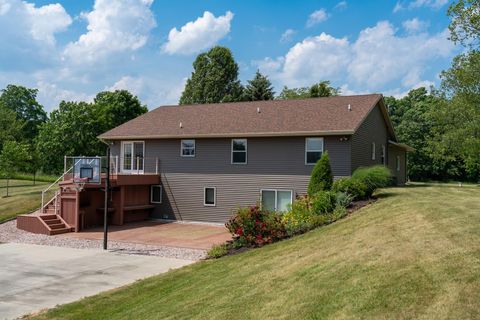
{"x":24,"y":197}
{"x":413,"y":254}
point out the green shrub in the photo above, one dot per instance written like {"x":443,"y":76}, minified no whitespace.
{"x":297,"y":219}
{"x":343,"y":199}
{"x":255,"y":226}
{"x":217,"y":251}
{"x":338,"y":213}
{"x":373,"y":177}
{"x":319,"y":220}
{"x":323,"y":202}
{"x":321,"y":178}
{"x":354,"y":187}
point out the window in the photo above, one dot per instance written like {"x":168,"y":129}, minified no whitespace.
{"x":156,"y":194}
{"x":276,"y":200}
{"x":239,"y":151}
{"x":133,"y":156}
{"x":383,"y":154}
{"x":398,"y":163}
{"x":209,"y":196}
{"x":313,"y":150}
{"x":373,"y":151}
{"x":187,"y":148}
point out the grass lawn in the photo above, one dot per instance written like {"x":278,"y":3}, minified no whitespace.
{"x":414,"y":254}
{"x":23,"y":197}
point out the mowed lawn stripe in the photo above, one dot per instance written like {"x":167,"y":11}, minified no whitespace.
{"x":415,"y":253}
{"x":24,"y":197}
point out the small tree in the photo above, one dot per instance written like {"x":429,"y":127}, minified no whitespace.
{"x":321,"y":178}
{"x":14,"y":157}
{"x":259,"y":88}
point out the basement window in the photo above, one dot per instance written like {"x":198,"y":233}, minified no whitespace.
{"x":209,"y":196}
{"x":276,"y":200}
{"x":313,"y":150}
{"x":156,"y":194}
{"x":398,"y":163}
{"x":373,"y":151}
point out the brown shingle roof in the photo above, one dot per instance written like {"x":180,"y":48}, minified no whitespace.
{"x":241,"y":119}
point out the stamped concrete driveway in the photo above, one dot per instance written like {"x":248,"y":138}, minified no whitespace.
{"x":34,"y":277}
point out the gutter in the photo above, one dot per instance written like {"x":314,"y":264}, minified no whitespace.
{"x":231,"y":135}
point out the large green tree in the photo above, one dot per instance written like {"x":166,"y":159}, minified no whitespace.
{"x":214,"y":78}
{"x":23,"y":101}
{"x":465,"y":24}
{"x":259,"y":88}
{"x":14,"y":157}
{"x":10,"y":127}
{"x":415,"y":122}
{"x":320,"y":89}
{"x":71,"y":130}
{"x":458,"y":133}
{"x":116,"y":107}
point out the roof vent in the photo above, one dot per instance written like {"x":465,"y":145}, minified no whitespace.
{"x":258,"y":109}
{"x":349,"y":107}
{"x":181,"y":125}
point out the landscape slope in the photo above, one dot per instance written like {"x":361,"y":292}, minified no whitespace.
{"x":415,"y":253}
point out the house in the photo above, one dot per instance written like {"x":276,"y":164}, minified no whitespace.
{"x":202,"y":162}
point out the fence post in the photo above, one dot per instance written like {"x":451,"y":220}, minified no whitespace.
{"x":41,"y":208}
{"x":156,"y":165}
{"x":64,"y":164}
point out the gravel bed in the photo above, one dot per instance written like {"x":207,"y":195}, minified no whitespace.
{"x":10,"y":233}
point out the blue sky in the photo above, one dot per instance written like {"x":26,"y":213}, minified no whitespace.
{"x":73,"y":49}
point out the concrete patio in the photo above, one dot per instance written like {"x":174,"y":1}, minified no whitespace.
{"x":174,"y":234}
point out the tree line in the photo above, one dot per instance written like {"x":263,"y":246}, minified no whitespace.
{"x":32,"y":141}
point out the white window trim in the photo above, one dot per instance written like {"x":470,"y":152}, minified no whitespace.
{"x":246,"y":152}
{"x":276,"y":195}
{"x":194,"y":149}
{"x":214,"y":197}
{"x":398,"y":163}
{"x":161,"y":193}
{"x":374,"y":151}
{"x":122,"y":156}
{"x":306,"y":149}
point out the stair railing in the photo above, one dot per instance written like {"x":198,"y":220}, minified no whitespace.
{"x":51,"y":186}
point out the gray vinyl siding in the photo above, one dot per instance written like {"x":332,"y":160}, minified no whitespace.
{"x":401,"y":175}
{"x":266,"y":156}
{"x":272,"y":163}
{"x":183,"y":194}
{"x":373,"y":129}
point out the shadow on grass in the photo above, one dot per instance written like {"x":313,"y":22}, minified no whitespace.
{"x":386,"y":194}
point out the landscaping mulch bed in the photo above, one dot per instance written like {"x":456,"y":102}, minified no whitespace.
{"x":355,"y":206}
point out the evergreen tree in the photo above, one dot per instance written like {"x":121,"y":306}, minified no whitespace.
{"x":259,"y":88}
{"x":321,"y":178}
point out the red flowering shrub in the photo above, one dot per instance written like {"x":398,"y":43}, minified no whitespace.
{"x":256,"y":227}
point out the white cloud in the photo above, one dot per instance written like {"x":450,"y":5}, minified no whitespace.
{"x":50,"y":95}
{"x":113,"y":27}
{"x":199,"y":34}
{"x":342,"y":5}
{"x":316,"y":17}
{"x":414,"y":25}
{"x":40,"y":23}
{"x":436,"y":4}
{"x":378,"y":57}
{"x":27,"y":37}
{"x":287,"y":35}
{"x":132,"y":84}
{"x":433,"y":4}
